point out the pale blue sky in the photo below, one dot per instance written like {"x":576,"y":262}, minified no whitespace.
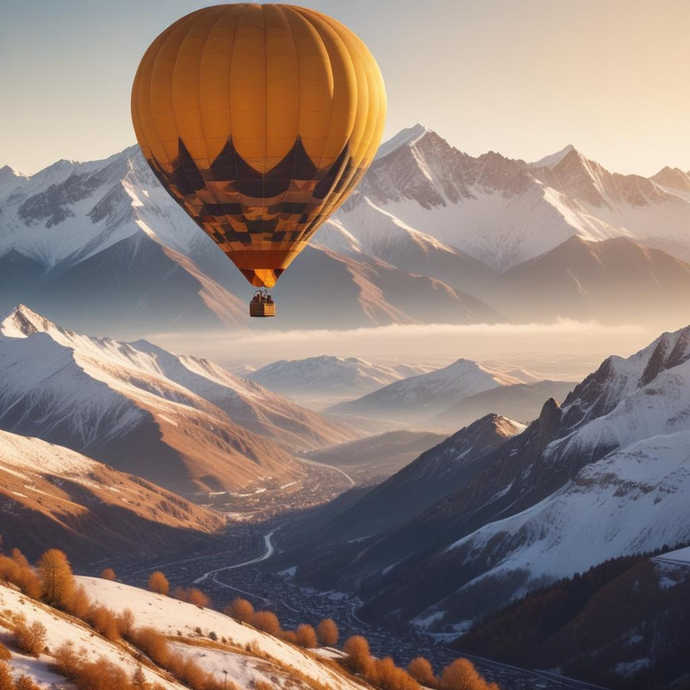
{"x":523,"y":77}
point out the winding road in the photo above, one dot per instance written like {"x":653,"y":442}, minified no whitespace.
{"x":269,"y":550}
{"x":330,"y":467}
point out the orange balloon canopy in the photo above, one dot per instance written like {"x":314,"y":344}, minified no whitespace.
{"x":259,"y":120}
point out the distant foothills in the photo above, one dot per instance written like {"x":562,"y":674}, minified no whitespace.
{"x":431,"y":235}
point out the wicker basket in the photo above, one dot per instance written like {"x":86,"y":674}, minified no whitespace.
{"x":262,"y":309}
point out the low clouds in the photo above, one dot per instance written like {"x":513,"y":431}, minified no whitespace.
{"x":575,"y":345}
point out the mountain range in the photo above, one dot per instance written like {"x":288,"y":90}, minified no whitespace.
{"x":601,"y":476}
{"x":433,"y":395}
{"x":328,"y":376}
{"x":431,"y":235}
{"x":182,"y":422}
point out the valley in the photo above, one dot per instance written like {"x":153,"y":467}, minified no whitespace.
{"x":234,"y":572}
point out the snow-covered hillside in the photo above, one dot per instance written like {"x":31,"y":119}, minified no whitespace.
{"x":504,"y":212}
{"x":329,"y":376}
{"x":170,"y":615}
{"x":179,"y":421}
{"x":420,"y":397}
{"x":247,"y":655}
{"x":57,"y":497}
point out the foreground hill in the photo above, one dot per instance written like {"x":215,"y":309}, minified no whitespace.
{"x":248,"y":656}
{"x":181,"y":422}
{"x":54,"y":496}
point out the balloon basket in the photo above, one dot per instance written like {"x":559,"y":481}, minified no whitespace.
{"x":262,"y":305}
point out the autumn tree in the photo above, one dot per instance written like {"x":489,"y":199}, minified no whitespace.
{"x":126,"y":621}
{"x":25,"y":683}
{"x":57,"y":579}
{"x":241,"y":610}
{"x":104,"y":621}
{"x":289,"y":636}
{"x":80,"y":605}
{"x":153,"y":644}
{"x":5,"y":654}
{"x":462,"y":675}
{"x":327,"y":632}
{"x":67,"y":659}
{"x":266,"y":621}
{"x":192,"y":595}
{"x":30,"y":639}
{"x":139,"y":681}
{"x":158,"y":583}
{"x":421,"y":670}
{"x":6,"y":680}
{"x":306,"y":636}
{"x":108,"y":574}
{"x":358,"y":655}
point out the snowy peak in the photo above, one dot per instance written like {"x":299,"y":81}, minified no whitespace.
{"x":22,"y":322}
{"x":406,"y":137}
{"x":673,"y":178}
{"x":553,"y":158}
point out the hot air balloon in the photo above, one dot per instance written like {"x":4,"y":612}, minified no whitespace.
{"x":259,"y":120}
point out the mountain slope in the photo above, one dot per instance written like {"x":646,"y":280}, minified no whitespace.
{"x":330,"y":376}
{"x":374,"y":458}
{"x":420,"y":397}
{"x":521,"y":401}
{"x":105,"y":236}
{"x":602,"y":476}
{"x":621,"y":622}
{"x":57,"y":498}
{"x":616,"y":280}
{"x":179,"y":421}
{"x":436,"y":473}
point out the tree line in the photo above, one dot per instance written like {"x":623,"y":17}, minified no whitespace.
{"x":52,"y":581}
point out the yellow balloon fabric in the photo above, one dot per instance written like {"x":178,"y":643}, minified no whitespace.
{"x":259,"y":120}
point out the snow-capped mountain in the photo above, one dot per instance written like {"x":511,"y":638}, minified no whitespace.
{"x":329,"y":376}
{"x":182,"y":422}
{"x":421,"y":397}
{"x":603,"y":476}
{"x":101,"y":245}
{"x":57,"y":498}
{"x":504,"y":212}
{"x":423,"y":239}
{"x":104,"y":237}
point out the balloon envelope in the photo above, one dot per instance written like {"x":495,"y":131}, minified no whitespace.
{"x":259,"y":120}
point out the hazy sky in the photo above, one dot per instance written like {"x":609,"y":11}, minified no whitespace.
{"x":523,"y":77}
